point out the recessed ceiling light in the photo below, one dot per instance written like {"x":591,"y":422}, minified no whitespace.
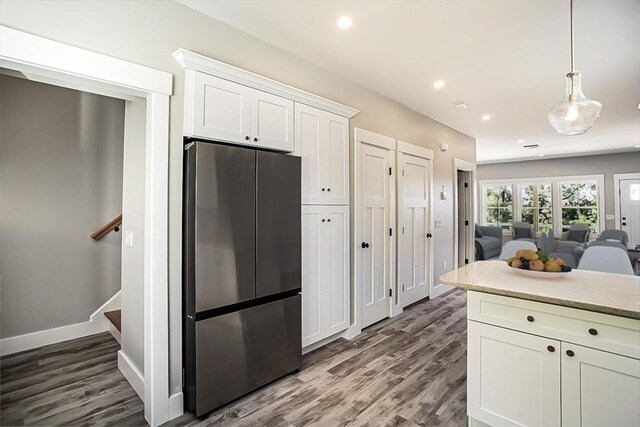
{"x":438,"y":84}
{"x":344,"y":22}
{"x":486,"y":117}
{"x":462,"y":105}
{"x":520,"y":141}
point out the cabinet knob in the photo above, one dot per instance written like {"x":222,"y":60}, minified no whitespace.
{"x":246,"y":137}
{"x":593,"y":331}
{"x":551,"y":348}
{"x":322,"y":219}
{"x":530,"y":318}
{"x":322,"y":188}
{"x":365,"y":245}
{"x":329,"y":220}
{"x":328,"y":189}
{"x":570,"y":353}
{"x":255,"y":139}
{"x":624,"y":223}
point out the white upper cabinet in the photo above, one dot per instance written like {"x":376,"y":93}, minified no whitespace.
{"x":271,"y":121}
{"x":322,"y":139}
{"x":231,"y":112}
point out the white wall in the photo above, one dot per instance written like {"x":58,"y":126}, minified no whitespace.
{"x":132,"y":337}
{"x":61,"y":180}
{"x":148,"y":32}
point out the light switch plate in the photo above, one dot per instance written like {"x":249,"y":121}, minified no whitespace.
{"x":128,"y":238}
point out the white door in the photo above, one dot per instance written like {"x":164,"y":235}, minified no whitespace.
{"x":309,"y":135}
{"x":413,"y":217}
{"x":630,"y":208}
{"x":335,"y":160}
{"x":313,"y":255}
{"x":374,"y":248}
{"x":336,"y":269}
{"x":500,"y":362}
{"x":271,"y":121}
{"x":599,"y":388}
{"x":221,"y":109}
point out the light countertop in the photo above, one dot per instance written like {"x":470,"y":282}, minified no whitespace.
{"x":588,"y":290}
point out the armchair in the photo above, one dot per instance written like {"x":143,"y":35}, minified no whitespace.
{"x":488,"y":242}
{"x":523,"y":231}
{"x":578,"y":233}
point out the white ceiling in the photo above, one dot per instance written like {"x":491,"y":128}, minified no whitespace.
{"x":504,"y":58}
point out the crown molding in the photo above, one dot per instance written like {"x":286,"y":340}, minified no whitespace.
{"x":194,"y":61}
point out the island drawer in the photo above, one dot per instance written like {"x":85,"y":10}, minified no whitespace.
{"x":615,"y":334}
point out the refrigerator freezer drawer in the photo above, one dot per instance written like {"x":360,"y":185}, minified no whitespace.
{"x":244,"y":350}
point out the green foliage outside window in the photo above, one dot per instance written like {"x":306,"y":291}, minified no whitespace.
{"x":499,"y":206}
{"x":579,"y":204}
{"x":536,"y":206}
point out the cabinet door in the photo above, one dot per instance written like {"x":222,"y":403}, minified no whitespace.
{"x":313,"y":253}
{"x":599,"y":388}
{"x":309,"y":137}
{"x":271,"y":121}
{"x":221,"y":109}
{"x":334,"y":161}
{"x":513,"y":377}
{"x":336,"y":282}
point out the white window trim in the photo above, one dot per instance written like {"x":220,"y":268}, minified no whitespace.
{"x":555,"y":181}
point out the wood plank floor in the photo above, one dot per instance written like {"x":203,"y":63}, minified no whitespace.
{"x":409,"y":370}
{"x":75,"y":382}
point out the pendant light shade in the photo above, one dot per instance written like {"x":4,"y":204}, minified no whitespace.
{"x":576,"y":113}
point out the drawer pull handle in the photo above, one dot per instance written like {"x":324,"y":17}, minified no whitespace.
{"x":570,"y":353}
{"x":551,"y":348}
{"x":593,"y":331}
{"x":530,"y":318}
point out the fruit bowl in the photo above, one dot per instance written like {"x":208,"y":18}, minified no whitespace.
{"x":541,"y":274}
{"x":538,"y":264}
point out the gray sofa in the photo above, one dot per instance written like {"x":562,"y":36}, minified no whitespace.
{"x":490,"y":244}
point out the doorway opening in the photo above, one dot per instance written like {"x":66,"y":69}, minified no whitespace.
{"x":464,"y":212}
{"x":627,"y":205}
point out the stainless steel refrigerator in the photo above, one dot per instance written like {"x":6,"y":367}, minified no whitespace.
{"x":241,"y":271}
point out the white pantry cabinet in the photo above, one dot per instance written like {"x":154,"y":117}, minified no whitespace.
{"x":322,"y":139}
{"x":537,"y":364}
{"x":231,"y":112}
{"x":325,"y":272}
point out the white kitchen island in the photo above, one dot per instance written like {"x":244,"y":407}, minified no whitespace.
{"x":551,"y":352}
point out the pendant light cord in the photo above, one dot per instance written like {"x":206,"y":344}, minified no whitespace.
{"x":573,"y":69}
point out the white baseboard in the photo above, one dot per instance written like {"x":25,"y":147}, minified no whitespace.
{"x":113,"y":303}
{"x":131,"y":373}
{"x":440,"y":290}
{"x":50,"y":336}
{"x":175,"y":405}
{"x":352,"y":332}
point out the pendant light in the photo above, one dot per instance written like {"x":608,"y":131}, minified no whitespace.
{"x":575,"y":114}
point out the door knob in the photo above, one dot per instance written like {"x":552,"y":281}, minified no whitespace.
{"x":329,"y":220}
{"x":365,"y":245}
{"x":246,"y":137}
{"x":328,"y":189}
{"x":624,"y":217}
{"x":429,"y":235}
{"x":624,"y":223}
{"x":323,"y":220}
{"x":322,"y":188}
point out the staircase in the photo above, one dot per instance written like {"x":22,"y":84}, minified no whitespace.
{"x":115,"y":317}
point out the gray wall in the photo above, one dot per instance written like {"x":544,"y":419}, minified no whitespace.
{"x":148,"y":32}
{"x":61,"y":179}
{"x":606,"y":165}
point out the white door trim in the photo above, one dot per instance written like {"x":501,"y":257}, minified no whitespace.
{"x":74,"y":67}
{"x":417,"y":151}
{"x":616,"y":192}
{"x":463,"y":165}
{"x":361,"y":136}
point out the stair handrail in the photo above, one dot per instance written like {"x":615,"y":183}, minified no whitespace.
{"x":114,"y":225}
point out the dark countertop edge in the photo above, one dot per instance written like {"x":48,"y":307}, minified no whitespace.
{"x":549,"y":300}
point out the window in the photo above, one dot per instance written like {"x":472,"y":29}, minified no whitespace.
{"x":535,"y":202}
{"x":499,"y":206}
{"x":545,"y":203}
{"x":579,"y":204}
